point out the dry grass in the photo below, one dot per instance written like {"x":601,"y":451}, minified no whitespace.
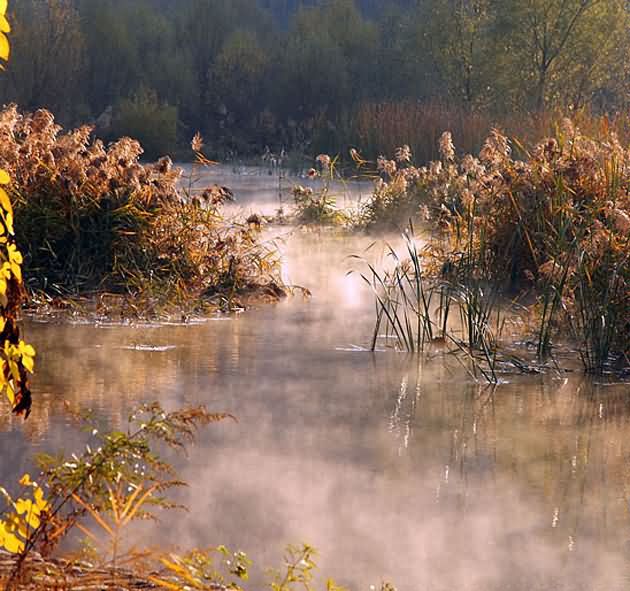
{"x":382,"y":127}
{"x":92,"y":218}
{"x":39,"y":574}
{"x":554,"y":225}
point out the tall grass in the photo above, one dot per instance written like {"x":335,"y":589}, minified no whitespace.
{"x":93,"y":218}
{"x":380,"y":127}
{"x":421,"y":309}
{"x":552,"y":227}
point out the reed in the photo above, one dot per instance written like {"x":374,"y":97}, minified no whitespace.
{"x":380,"y":127}
{"x":93,"y":219}
{"x":551,"y":227}
{"x":416,"y":307}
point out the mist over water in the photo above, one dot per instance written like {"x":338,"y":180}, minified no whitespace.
{"x":395,"y":468}
{"x":265,"y":190}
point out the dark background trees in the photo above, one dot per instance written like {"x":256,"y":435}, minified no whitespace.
{"x":295,"y":73}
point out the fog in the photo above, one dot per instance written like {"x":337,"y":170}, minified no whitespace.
{"x":396,"y":468}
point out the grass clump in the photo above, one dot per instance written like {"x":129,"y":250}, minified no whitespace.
{"x":92,"y":218}
{"x":319,"y":206}
{"x":551,"y":228}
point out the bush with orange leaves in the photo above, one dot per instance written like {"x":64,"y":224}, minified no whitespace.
{"x":554,"y":223}
{"x":93,"y":218}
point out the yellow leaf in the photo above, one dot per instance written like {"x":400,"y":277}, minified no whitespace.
{"x":26,"y":480}
{"x":28,"y":363}
{"x":41,"y":503}
{"x":5,"y":202}
{"x":15,"y":256}
{"x":31,"y":512}
{"x":5,"y":49}
{"x":5,"y":179}
{"x":11,"y":394}
{"x":17,"y":271}
{"x":15,"y":524}
{"x":3,"y":7}
{"x":15,"y":372}
{"x":9,"y":222}
{"x":27,"y":349}
{"x":5,"y":26}
{"x":9,"y":540}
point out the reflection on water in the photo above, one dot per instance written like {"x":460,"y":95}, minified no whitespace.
{"x":395,"y":468}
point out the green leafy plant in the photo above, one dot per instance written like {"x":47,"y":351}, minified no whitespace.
{"x":119,"y":477}
{"x":204,"y":570}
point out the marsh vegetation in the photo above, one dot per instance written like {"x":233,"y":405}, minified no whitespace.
{"x":93,"y":220}
{"x":447,"y":405}
{"x":548,"y":231}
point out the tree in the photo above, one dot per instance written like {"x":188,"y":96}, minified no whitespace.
{"x":48,"y":56}
{"x":460,"y":45}
{"x":238,"y":74}
{"x":546,"y":41}
{"x":202,"y":30}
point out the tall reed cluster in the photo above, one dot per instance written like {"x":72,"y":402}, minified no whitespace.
{"x":380,"y":127}
{"x":552,"y":227}
{"x":91,"y":217}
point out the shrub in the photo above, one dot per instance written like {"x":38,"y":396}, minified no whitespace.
{"x":152,"y":123}
{"x":16,"y":357}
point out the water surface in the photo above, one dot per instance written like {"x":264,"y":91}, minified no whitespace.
{"x":396,"y":468}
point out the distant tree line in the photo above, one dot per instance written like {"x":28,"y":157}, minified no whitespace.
{"x":294,"y":74}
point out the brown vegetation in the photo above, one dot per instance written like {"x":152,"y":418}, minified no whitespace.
{"x":554,"y":225}
{"x":92,"y":218}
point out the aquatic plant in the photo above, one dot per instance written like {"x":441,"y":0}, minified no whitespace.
{"x":554,"y":227}
{"x":319,"y":206}
{"x":315,"y":207}
{"x":414,"y":304}
{"x":93,"y":219}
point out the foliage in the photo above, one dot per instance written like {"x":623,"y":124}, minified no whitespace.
{"x":555,"y":224}
{"x":299,"y":563}
{"x":93,"y":218}
{"x":119,"y":477}
{"x":16,"y":355}
{"x":319,"y":206}
{"x":144,"y":118}
{"x":198,"y":570}
{"x":49,"y":56}
{"x":24,"y":516}
{"x":227,"y":66}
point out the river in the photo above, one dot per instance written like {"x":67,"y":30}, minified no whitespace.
{"x":395,"y":468}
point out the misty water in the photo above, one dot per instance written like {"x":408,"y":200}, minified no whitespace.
{"x":395,"y":468}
